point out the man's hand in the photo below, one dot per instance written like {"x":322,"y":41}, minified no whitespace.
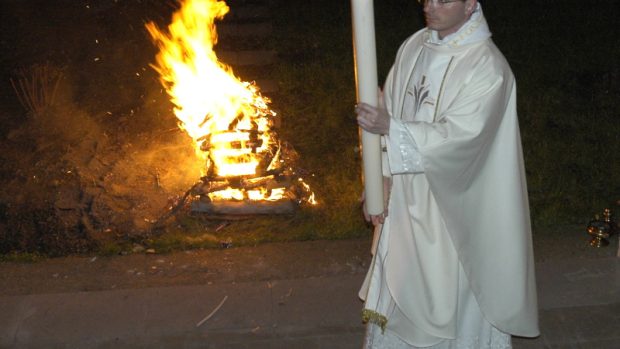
{"x":373,"y":119}
{"x":380,"y":218}
{"x":374,"y":219}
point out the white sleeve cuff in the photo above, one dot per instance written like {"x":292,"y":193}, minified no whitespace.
{"x":402,"y":150}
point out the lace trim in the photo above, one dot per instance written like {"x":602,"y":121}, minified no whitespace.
{"x":371,"y":316}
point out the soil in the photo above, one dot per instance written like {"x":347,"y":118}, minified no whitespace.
{"x":264,"y":262}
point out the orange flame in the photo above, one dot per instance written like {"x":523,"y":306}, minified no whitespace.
{"x":229,"y":120}
{"x":210,"y":102}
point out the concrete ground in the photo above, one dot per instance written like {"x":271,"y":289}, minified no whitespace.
{"x":293,"y":295}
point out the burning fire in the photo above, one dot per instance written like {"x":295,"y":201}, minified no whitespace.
{"x":229,"y":121}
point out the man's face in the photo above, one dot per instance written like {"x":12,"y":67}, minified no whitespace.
{"x":447,"y":18}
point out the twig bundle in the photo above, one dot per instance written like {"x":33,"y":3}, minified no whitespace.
{"x":36,"y":87}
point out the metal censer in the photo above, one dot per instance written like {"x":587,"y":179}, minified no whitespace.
{"x":601,"y":229}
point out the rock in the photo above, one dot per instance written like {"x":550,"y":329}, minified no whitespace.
{"x":137,"y":248}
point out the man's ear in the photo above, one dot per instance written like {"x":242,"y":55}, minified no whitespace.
{"x":470,"y":6}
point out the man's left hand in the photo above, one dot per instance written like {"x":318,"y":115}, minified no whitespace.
{"x":373,"y":119}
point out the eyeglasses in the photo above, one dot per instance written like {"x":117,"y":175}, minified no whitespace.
{"x":437,"y":2}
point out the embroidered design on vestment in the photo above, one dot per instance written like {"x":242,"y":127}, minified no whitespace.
{"x":420,"y":95}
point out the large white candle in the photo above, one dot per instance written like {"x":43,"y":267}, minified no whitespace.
{"x":366,"y":80}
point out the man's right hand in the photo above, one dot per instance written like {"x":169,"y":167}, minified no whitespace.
{"x":380,"y":218}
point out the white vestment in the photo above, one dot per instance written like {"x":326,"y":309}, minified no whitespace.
{"x":454,"y":260}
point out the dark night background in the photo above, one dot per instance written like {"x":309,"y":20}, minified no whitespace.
{"x":79,"y":177}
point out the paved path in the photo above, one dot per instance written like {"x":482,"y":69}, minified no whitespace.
{"x":301,"y":313}
{"x":579,"y":303}
{"x":579,"y":306}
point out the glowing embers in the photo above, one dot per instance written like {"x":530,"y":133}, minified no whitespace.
{"x":240,"y":150}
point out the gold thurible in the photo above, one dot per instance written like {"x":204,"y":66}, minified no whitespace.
{"x":601,"y":229}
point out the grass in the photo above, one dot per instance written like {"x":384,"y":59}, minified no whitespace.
{"x":567,"y":81}
{"x":21,"y":257}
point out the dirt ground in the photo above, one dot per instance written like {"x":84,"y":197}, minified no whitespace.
{"x":266,"y":262}
{"x":263,"y":262}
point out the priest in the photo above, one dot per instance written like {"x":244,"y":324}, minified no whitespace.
{"x":453,"y":266}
